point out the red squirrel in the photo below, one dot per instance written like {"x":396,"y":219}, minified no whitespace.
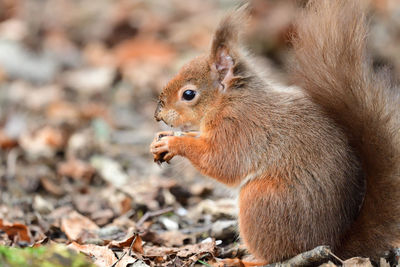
{"x":315,"y":164}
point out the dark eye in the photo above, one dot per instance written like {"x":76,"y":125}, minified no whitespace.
{"x":188,"y":95}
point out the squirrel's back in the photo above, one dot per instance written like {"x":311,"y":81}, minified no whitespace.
{"x":333,"y":68}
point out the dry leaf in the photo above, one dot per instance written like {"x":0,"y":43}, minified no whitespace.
{"x":175,"y":238}
{"x":206,"y":247}
{"x":44,"y":142}
{"x":97,"y":54}
{"x":76,"y":169}
{"x":94,"y":110}
{"x":41,"y":242}
{"x":126,"y":243}
{"x":51,"y":186}
{"x":190,"y":253}
{"x":75,"y":224}
{"x":7,"y":142}
{"x":102,"y":216}
{"x":153,"y":251}
{"x":63,"y":111}
{"x":126,"y":205}
{"x":16,"y":230}
{"x":357,"y":262}
{"x":101,"y":255}
{"x":137,"y":49}
{"x":130,"y":260}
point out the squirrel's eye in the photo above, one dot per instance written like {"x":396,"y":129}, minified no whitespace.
{"x":188,"y":95}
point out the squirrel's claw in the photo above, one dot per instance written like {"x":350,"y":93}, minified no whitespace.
{"x":160,"y":149}
{"x":167,"y":157}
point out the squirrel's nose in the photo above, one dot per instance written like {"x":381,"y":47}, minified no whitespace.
{"x":157,"y":112}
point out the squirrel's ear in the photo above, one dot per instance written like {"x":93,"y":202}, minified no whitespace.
{"x":224,"y":48}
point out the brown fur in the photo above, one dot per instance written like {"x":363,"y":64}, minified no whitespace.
{"x":334,"y":69}
{"x":299,"y":157}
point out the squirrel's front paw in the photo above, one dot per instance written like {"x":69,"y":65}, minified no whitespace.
{"x":160,"y":147}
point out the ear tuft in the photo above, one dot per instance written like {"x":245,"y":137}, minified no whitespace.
{"x":229,"y":30}
{"x":225,"y":42}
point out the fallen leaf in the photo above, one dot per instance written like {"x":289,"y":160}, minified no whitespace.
{"x":52,"y":136}
{"x":127,"y":243}
{"x":59,"y":213}
{"x":201,"y":248}
{"x":75,"y":224}
{"x":94,"y":110}
{"x":101,"y":255}
{"x":7,"y":142}
{"x":143,"y":48}
{"x":176,"y":238}
{"x":41,"y":242}
{"x":102,"y":216}
{"x":97,"y":54}
{"x":185,"y":251}
{"x":44,"y":142}
{"x":51,"y":186}
{"x":153,"y":251}
{"x":14,"y":230}
{"x":63,"y":111}
{"x":190,"y":253}
{"x":76,"y":169}
{"x":357,"y":261}
{"x":126,"y":205}
{"x":130,"y":261}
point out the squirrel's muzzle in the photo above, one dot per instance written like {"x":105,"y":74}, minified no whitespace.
{"x":157,"y":112}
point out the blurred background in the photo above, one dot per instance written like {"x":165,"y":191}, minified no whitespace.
{"x":79,"y":80}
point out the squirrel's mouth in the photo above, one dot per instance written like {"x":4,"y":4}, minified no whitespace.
{"x":182,"y":128}
{"x":185,"y":128}
{"x":188,"y":128}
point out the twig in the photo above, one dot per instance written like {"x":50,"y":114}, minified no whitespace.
{"x":150,"y":214}
{"x":306,"y":258}
{"x":336,"y":257}
{"x":131,"y":246}
{"x":118,"y":260}
{"x":129,"y":252}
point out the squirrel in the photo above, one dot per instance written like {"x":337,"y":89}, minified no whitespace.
{"x":317,"y":163}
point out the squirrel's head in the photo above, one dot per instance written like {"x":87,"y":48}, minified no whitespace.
{"x":201,"y":83}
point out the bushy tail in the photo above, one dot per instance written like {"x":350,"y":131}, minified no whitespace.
{"x":332,"y":66}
